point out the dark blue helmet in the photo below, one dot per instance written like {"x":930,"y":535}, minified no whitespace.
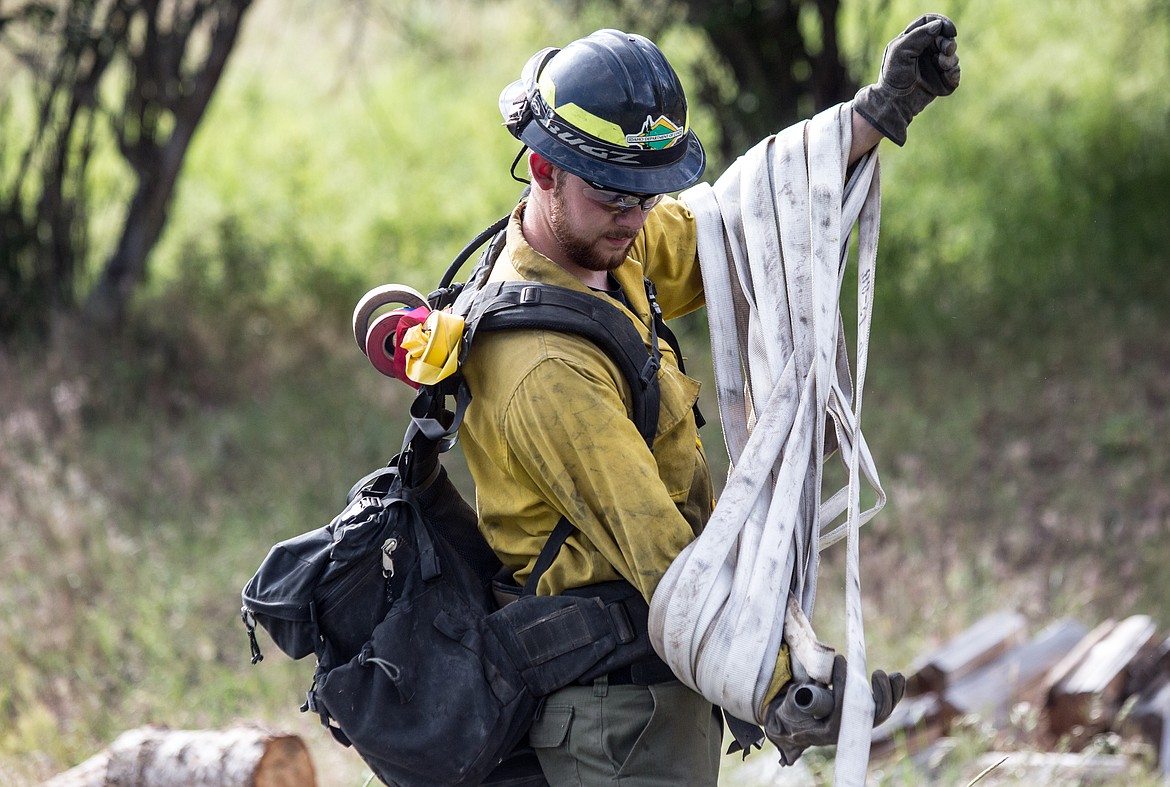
{"x":610,"y":109}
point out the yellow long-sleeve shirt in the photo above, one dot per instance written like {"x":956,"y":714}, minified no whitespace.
{"x":548,"y":432}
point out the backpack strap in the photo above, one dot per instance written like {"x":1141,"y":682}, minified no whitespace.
{"x":520,"y":305}
{"x":548,"y":553}
{"x":659,"y":323}
{"x":529,"y":305}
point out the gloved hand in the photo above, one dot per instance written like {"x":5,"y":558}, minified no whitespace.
{"x":917,"y":66}
{"x":809,"y":714}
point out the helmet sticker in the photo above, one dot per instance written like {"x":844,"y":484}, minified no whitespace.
{"x":656,"y":134}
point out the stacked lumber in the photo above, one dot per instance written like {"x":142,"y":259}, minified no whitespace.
{"x":1019,"y":674}
{"x":967,"y":653}
{"x":1088,"y":687}
{"x":1079,"y":683}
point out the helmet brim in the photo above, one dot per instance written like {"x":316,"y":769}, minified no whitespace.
{"x":641,"y":179}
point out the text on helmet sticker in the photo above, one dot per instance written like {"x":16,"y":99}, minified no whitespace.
{"x":656,"y":134}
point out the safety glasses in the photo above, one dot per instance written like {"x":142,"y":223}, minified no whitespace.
{"x":619,"y":202}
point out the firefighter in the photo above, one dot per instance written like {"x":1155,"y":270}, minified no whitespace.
{"x":605,"y":125}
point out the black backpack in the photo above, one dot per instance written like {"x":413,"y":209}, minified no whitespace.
{"x":417,"y":668}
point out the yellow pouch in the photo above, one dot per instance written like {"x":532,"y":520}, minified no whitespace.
{"x":432,"y":348}
{"x":781,"y":675}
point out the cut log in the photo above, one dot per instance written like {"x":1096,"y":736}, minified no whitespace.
{"x":1016,"y":676}
{"x":1085,"y":700}
{"x":242,"y":756}
{"x":978,"y":645}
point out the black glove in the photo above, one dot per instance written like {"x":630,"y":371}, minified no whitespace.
{"x":809,"y":714}
{"x":917,"y":66}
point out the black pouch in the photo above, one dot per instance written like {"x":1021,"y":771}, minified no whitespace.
{"x":323,"y":591}
{"x":425,"y":701}
{"x":447,"y":686}
{"x":279,"y":597}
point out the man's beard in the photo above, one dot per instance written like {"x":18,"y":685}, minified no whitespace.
{"x":582,"y":251}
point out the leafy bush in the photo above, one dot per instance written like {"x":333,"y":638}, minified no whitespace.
{"x":373,"y":158}
{"x":1032,"y":195}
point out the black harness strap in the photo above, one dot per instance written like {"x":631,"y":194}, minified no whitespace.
{"x":528,"y":305}
{"x":548,"y":554}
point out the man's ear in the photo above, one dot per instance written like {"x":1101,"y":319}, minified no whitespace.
{"x":542,"y":171}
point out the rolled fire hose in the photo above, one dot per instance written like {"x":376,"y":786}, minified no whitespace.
{"x":774,"y":234}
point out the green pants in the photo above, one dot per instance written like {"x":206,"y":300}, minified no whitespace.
{"x":630,"y":735}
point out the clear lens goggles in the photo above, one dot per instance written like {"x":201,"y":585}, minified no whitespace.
{"x":618,"y":201}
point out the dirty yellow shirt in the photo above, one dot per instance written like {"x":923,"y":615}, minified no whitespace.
{"x":548,"y":431}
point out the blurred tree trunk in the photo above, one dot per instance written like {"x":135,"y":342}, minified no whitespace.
{"x":148,"y":69}
{"x":786,"y":62}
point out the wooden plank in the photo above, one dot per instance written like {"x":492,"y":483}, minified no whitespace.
{"x":1016,"y":676}
{"x":1076,"y":655}
{"x":1085,"y":700}
{"x":1109,"y":657}
{"x":978,"y":645}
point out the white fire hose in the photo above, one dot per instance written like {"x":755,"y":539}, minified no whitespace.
{"x":774,"y":236}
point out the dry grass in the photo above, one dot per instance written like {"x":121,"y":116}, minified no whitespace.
{"x":1034,"y":478}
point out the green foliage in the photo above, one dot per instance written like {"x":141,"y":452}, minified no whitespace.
{"x":1032,"y":195}
{"x":95,"y":80}
{"x":341,"y":167}
{"x":144,"y":477}
{"x":351,"y":165}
